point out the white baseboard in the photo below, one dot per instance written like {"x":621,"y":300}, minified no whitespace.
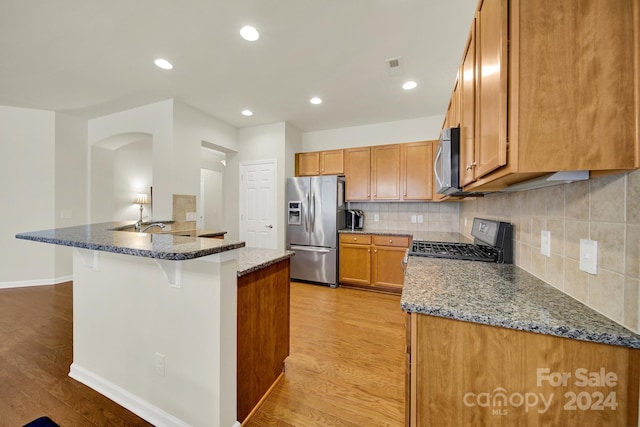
{"x":122,"y":397}
{"x":41,"y":282}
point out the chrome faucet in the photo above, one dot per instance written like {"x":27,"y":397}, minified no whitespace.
{"x":155,"y":224}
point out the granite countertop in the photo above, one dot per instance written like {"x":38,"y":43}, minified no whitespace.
{"x":432,"y":236}
{"x":254,"y":259}
{"x":103,"y":237}
{"x":506,"y":296}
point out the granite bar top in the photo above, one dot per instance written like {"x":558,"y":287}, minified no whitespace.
{"x":505,"y":296}
{"x":254,"y":259}
{"x":103,"y":237}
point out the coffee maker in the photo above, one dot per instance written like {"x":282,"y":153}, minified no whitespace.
{"x":355,"y":219}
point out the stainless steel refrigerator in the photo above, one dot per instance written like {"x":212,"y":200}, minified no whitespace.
{"x":315,"y":213}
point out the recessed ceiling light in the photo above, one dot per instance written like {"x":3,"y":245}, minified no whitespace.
{"x":163,"y":63}
{"x":249,"y":33}
{"x":247,"y":113}
{"x":409,"y":85}
{"x":315,"y":100}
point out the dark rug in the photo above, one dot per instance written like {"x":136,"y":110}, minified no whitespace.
{"x":42,"y":422}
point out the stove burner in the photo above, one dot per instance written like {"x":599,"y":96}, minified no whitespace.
{"x":464,"y":251}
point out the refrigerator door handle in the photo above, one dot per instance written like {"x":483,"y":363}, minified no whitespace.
{"x":306,"y":216}
{"x":309,"y":249}
{"x":313,"y":218}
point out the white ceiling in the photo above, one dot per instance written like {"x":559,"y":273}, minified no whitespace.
{"x":90,"y":58}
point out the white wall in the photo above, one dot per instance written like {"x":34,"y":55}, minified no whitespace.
{"x":27,"y":191}
{"x":132,"y":174}
{"x":155,"y":120}
{"x":70,"y":182}
{"x":421,"y":129}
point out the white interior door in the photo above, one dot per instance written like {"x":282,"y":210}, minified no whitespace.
{"x":258,"y":225}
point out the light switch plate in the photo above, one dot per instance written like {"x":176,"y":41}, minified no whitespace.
{"x":589,"y":256}
{"x":420,"y":219}
{"x":545,"y":243}
{"x":413,"y":219}
{"x":376,"y":217}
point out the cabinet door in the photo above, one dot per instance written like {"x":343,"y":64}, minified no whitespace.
{"x":355,"y":264}
{"x":358,"y":173}
{"x":468,"y":111}
{"x":387,"y":266}
{"x":491,"y":101}
{"x":332,"y":162}
{"x":417,"y":170}
{"x":308,"y":164}
{"x":385,"y":174}
{"x":452,"y":117}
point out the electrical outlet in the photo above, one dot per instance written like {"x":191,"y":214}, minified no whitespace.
{"x":589,"y":256}
{"x":376,"y":217}
{"x":159,"y":364}
{"x":65,"y":214}
{"x":192,"y":216}
{"x":413,"y":219}
{"x":545,"y":243}
{"x":420,"y":219}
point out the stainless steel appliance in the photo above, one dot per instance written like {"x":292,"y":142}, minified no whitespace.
{"x":493,"y":242}
{"x":315,"y":213}
{"x":446,"y":165}
{"x":355,"y":219}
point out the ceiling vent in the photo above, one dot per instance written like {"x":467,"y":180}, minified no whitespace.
{"x":394,"y":66}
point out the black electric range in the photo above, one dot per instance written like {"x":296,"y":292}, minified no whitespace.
{"x":493,"y":242}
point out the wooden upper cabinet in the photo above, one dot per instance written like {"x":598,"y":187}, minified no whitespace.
{"x":357,"y":163}
{"x":332,"y":162}
{"x":556,"y":89}
{"x":491,"y":67}
{"x":307,"y":164}
{"x":385,"y":172}
{"x":417,"y":170}
{"x":453,"y":113}
{"x":320,"y":163}
{"x":468,"y":110}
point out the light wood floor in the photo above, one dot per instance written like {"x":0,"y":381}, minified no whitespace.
{"x":347,"y":362}
{"x":346,"y":366}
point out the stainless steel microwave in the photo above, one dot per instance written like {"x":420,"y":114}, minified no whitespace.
{"x":446,"y":165}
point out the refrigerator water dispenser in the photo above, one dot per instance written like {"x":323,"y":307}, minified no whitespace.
{"x":293,"y":213}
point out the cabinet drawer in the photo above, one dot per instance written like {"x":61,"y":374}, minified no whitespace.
{"x":363,"y":239}
{"x":399,"y":241}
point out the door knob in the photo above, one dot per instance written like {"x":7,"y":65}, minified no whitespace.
{"x":269,"y":226}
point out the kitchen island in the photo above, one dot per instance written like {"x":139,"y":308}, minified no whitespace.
{"x":156,"y":319}
{"x":490,"y":344}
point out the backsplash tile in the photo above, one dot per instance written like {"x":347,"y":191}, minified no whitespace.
{"x":397,"y":216}
{"x":605,"y":209}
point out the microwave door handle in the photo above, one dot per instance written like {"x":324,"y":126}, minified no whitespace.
{"x":435,"y":168}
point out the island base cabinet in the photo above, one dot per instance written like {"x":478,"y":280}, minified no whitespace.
{"x":468,"y":374}
{"x":263,"y":334}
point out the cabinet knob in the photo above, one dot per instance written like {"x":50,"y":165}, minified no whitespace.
{"x":375,"y":251}
{"x":390,"y":241}
{"x":355,"y":239}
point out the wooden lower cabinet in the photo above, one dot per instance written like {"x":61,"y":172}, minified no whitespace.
{"x":468,"y":374}
{"x":373,"y":262}
{"x":263,"y":333}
